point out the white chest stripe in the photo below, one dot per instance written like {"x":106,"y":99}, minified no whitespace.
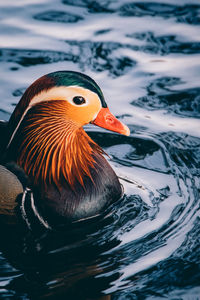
{"x":22,"y":208}
{"x":42,"y":221}
{"x":36,"y":213}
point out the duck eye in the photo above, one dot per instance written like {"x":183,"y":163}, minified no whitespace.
{"x":78,"y":100}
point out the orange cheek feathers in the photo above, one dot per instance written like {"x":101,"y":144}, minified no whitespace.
{"x":82,"y":115}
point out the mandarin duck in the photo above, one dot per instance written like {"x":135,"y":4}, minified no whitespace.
{"x":48,"y":160}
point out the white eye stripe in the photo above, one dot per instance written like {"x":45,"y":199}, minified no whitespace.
{"x":62,"y":93}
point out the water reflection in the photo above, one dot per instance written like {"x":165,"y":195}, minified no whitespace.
{"x":58,"y":16}
{"x":145,"y":56}
{"x":163,"y":45}
{"x":162,"y":95}
{"x":188,"y":13}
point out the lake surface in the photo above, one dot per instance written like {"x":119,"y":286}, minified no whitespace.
{"x":145,"y":55}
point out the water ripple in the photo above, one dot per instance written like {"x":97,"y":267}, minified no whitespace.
{"x":145,"y":56}
{"x":58,"y":16}
{"x":161,"y":95}
{"x":185,"y":13}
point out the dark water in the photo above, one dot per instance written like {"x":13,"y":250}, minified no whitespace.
{"x":145,"y":55}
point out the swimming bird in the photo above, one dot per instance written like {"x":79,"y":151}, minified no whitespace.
{"x":49,"y":161}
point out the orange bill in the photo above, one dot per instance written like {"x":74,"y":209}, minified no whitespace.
{"x":106,"y":120}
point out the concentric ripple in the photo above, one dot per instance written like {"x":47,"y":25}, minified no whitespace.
{"x":145,"y":55}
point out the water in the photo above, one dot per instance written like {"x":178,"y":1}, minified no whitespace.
{"x":146,"y":58}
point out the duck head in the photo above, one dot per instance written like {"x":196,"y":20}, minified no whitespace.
{"x":46,"y":137}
